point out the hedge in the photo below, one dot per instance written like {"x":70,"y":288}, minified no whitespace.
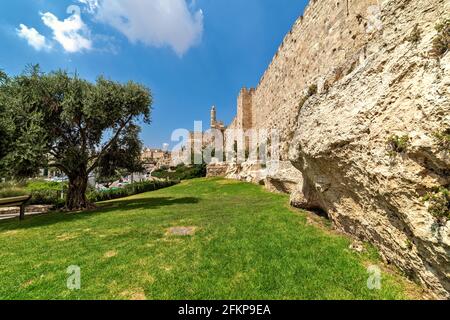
{"x":129,"y":190}
{"x":182,"y":172}
{"x":49,"y":193}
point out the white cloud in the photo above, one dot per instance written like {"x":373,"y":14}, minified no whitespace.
{"x":91,"y":5}
{"x":33,"y":37}
{"x":152,"y":22}
{"x":71,"y":33}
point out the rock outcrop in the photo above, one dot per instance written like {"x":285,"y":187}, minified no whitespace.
{"x":358,"y":101}
{"x":341,"y":139}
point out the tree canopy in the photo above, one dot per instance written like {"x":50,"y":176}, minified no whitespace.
{"x":5,"y":123}
{"x":58,"y":119}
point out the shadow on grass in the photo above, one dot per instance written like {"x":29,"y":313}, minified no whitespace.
{"x":148,"y":203}
{"x":103,"y":208}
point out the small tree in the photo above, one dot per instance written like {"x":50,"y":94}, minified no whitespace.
{"x":69,"y":123}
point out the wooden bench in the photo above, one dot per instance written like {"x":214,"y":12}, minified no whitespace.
{"x":16,"y":202}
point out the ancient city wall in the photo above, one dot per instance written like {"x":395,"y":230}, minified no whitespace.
{"x":345,"y":80}
{"x":326,"y":40}
{"x":245,"y":109}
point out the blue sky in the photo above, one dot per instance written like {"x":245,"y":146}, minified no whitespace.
{"x":190,"y":53}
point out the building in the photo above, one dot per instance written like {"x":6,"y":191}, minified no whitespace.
{"x":155,"y":159}
{"x":218,"y":125}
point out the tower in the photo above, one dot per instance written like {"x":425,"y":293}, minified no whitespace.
{"x":244,"y":109}
{"x":213,"y":116}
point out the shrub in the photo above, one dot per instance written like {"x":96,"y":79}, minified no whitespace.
{"x":397,"y":144}
{"x":415,"y":36}
{"x":12,"y":192}
{"x":9,"y":184}
{"x":312,"y":90}
{"x":38,"y":197}
{"x":182,"y":172}
{"x":38,"y":185}
{"x":46,"y":192}
{"x":47,"y":197}
{"x":439,"y":204}
{"x":443,"y":139}
{"x":49,"y":193}
{"x":129,"y":190}
{"x":441,"y":44}
{"x":409,"y":244}
{"x":302,"y":102}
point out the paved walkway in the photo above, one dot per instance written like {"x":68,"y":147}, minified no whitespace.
{"x":11,"y":213}
{"x":16,"y":215}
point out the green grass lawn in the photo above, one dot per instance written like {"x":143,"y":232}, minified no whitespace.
{"x":248,"y":244}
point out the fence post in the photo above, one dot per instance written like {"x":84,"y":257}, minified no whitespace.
{"x":22,"y":211}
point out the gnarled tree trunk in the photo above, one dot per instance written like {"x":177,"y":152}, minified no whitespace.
{"x":76,"y":195}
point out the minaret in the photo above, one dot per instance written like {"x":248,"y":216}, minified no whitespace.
{"x":213,"y":116}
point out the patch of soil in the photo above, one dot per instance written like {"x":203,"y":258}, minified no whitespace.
{"x":10,"y":233}
{"x":27,"y":284}
{"x":134,"y":294}
{"x":182,"y":231}
{"x":110,"y":254}
{"x":28,"y":209}
{"x":148,"y":278}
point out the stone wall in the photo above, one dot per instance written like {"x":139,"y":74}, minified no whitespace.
{"x":372,"y":83}
{"x":330,"y":35}
{"x":323,"y":45}
{"x":244,"y":119}
{"x":216,"y":170}
{"x":342,"y":137}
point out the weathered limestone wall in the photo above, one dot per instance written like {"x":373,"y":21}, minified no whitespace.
{"x":216,"y":170}
{"x":372,"y":83}
{"x":341,"y":137}
{"x":329,"y":40}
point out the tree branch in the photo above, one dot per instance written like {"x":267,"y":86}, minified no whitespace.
{"x":108,"y":145}
{"x":60,"y":167}
{"x":82,"y":134}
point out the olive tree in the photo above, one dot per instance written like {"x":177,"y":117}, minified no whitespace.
{"x":63,"y":121}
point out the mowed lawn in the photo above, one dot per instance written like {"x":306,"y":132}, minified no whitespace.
{"x":248,"y":244}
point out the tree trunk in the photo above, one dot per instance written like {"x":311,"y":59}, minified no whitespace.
{"x":76,"y":195}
